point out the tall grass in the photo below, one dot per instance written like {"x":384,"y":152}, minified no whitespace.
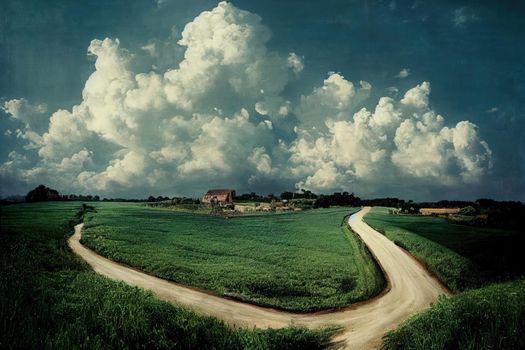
{"x":492,"y":317}
{"x":50,"y":299}
{"x":299,"y":261}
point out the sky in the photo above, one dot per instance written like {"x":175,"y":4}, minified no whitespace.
{"x":420,"y":100}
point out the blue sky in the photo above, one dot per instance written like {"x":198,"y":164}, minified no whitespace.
{"x":470,"y":53}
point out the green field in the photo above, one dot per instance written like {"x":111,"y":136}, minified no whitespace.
{"x":299,"y":261}
{"x":49,"y":299}
{"x":461,"y":256}
{"x":492,"y":317}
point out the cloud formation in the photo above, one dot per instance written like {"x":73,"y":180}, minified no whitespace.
{"x":405,"y":72}
{"x":218,"y":116}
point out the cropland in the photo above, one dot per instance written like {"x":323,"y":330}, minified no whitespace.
{"x":304,"y":261}
{"x":483,"y":315}
{"x":50,"y":298}
{"x":462,"y":256}
{"x":491,"y":317}
{"x":359,"y":326}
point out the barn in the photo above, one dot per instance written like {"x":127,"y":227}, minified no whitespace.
{"x":219,"y":196}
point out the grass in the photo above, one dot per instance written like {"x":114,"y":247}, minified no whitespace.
{"x":492,"y":317}
{"x":194,"y":208}
{"x":51,"y":299}
{"x":299,"y":261}
{"x":463,"y":257}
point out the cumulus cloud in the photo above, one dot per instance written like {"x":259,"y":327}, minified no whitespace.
{"x":406,"y":137}
{"x":334,"y":100}
{"x":295,"y":62}
{"x":405,"y":72}
{"x":32,"y":117}
{"x":217,"y":115}
{"x":14,"y":162}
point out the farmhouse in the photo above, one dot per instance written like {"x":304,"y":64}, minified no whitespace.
{"x":218,"y":196}
{"x":439,"y":211}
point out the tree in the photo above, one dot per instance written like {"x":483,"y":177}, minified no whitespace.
{"x":42,"y":193}
{"x":469,"y":211}
{"x":287,"y":195}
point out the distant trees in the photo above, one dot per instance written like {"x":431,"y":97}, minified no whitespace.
{"x":252,"y":196}
{"x":482,"y":212}
{"x":42,"y":193}
{"x":468,"y":210}
{"x":157,"y":199}
{"x":508,"y":214}
{"x":287,"y":195}
{"x":302,"y":194}
{"x":337,"y":198}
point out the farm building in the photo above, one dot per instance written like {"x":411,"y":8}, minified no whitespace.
{"x":439,"y":211}
{"x":219,"y":196}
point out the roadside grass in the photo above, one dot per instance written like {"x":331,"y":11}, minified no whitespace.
{"x":462,"y":257}
{"x":492,"y":317}
{"x":49,"y":298}
{"x":304,"y":261}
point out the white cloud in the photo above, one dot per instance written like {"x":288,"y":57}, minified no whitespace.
{"x":151,"y":49}
{"x":404,"y":137}
{"x":124,"y":171}
{"x":392,"y":90}
{"x":14,"y":162}
{"x":261,"y":160}
{"x":66,"y":135}
{"x":334,"y":100}
{"x":216,"y":115}
{"x":405,"y":72}
{"x":33,"y":117}
{"x":417,"y":97}
{"x":295,"y":62}
{"x":22,"y":111}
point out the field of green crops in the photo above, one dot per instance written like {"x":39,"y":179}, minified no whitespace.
{"x":491,"y":317}
{"x":49,"y":299}
{"x":463,"y":257}
{"x":299,"y":261}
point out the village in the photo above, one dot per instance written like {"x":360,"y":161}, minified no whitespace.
{"x":224,"y":199}
{"x":225,"y":202}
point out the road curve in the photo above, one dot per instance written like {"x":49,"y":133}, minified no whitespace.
{"x":411,"y":288}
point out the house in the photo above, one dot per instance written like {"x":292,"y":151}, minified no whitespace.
{"x":218,"y":196}
{"x":439,"y":211}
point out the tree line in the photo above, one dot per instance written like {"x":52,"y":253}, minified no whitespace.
{"x":484,"y":211}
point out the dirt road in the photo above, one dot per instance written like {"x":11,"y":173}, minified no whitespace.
{"x":411,"y":289}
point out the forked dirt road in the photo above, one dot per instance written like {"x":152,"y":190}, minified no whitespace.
{"x":410,"y":289}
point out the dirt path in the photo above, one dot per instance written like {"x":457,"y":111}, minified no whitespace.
{"x":411,"y":289}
